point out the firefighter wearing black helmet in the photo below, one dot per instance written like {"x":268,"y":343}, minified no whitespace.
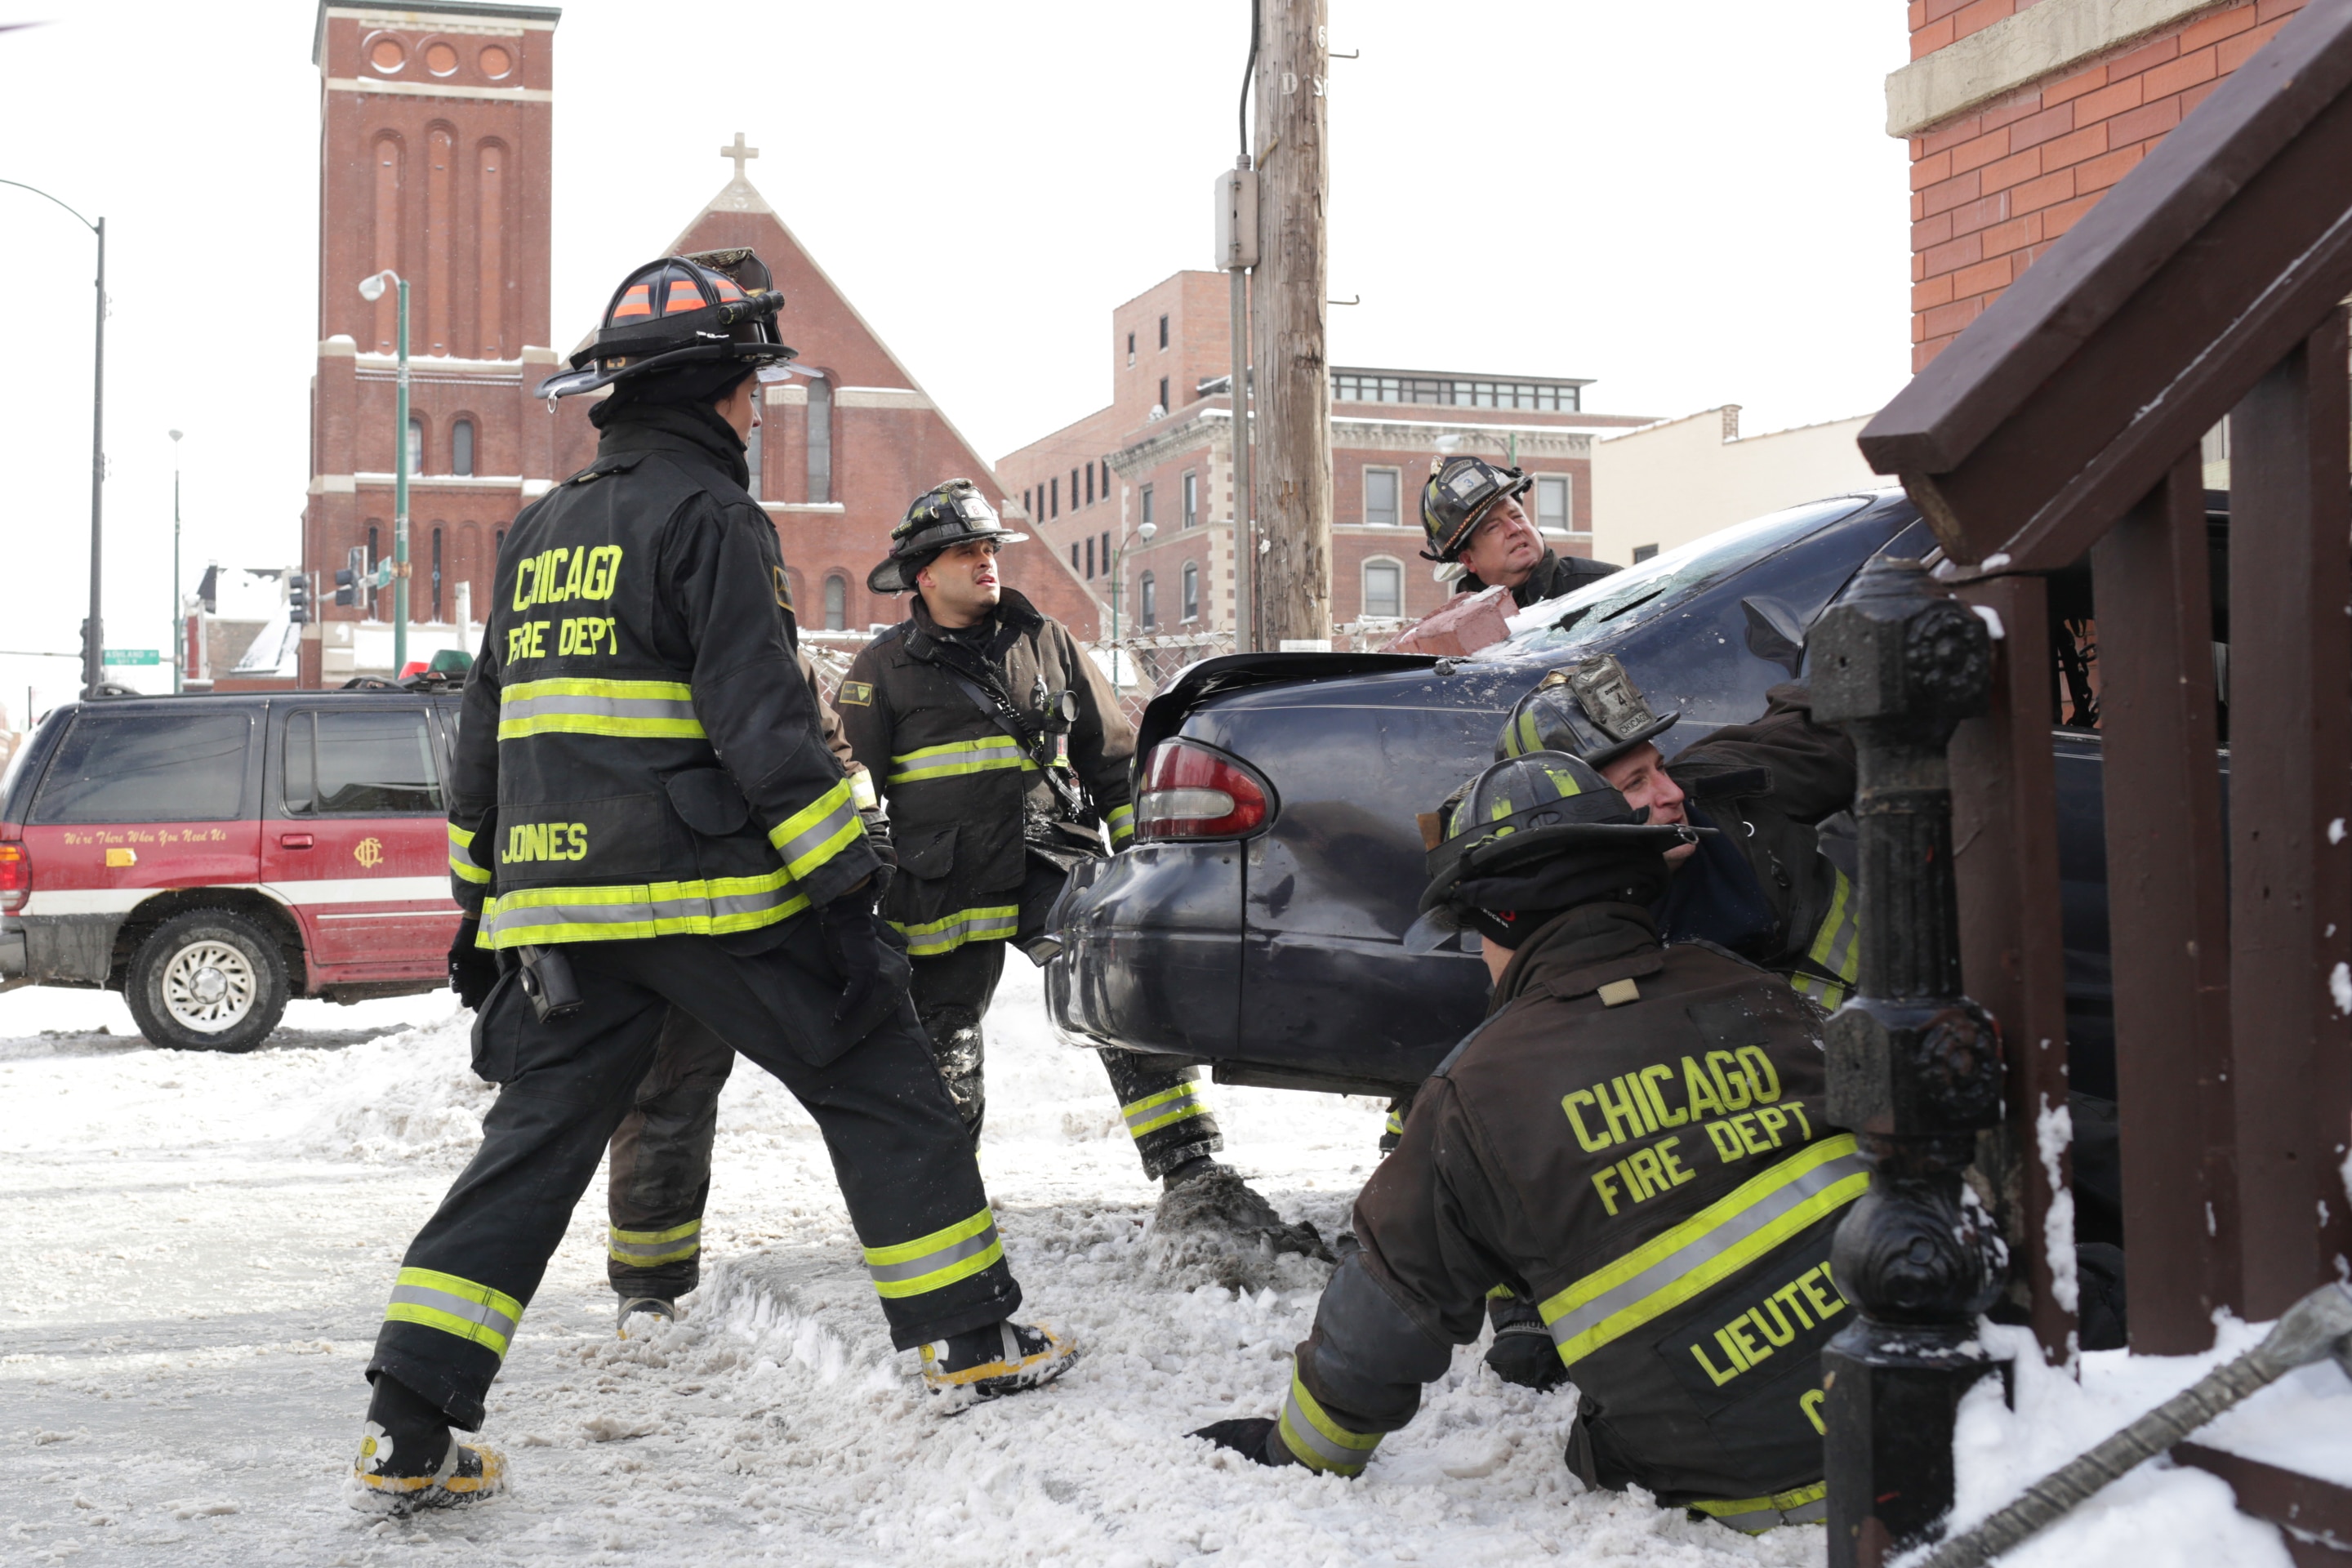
{"x":1001,"y":750}
{"x":1471,"y":516}
{"x":1633,"y":1141}
{"x":645,"y":817}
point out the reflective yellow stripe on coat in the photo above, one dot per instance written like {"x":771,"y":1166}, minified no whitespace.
{"x":818,"y":831}
{"x":958,"y":758}
{"x":461,"y":857}
{"x":996,"y":922}
{"x":1837,"y":948}
{"x":1120,"y":819}
{"x":711,"y":908}
{"x":1706,"y":1249}
{"x":631,"y":709}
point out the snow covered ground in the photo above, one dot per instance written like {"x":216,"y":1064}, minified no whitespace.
{"x":201,"y":1246}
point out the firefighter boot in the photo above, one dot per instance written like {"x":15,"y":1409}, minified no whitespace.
{"x":650,"y":1307}
{"x":987,"y":1364}
{"x":409,"y":1460}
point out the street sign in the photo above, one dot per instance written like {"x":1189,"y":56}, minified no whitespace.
{"x":133,"y":656}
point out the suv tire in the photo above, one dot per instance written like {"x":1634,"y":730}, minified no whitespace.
{"x":209,"y":980}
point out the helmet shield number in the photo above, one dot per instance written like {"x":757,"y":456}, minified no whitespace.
{"x":1607,"y":695}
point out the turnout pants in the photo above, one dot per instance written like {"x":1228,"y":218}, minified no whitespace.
{"x":900,"y":1153}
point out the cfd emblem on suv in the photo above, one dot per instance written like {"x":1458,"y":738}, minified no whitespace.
{"x":369,"y":852}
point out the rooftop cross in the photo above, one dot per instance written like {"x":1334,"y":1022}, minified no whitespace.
{"x":739,"y":152}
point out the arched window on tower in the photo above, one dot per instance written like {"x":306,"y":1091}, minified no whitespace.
{"x":1151,"y":597}
{"x":1192,"y":589}
{"x":461,"y":448}
{"x":836,"y":603}
{"x":415,"y":445}
{"x":820,"y":440}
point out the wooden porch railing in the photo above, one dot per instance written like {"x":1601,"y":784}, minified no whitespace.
{"x":2065,"y":423}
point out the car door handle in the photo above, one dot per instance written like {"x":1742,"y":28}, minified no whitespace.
{"x":295,"y":841}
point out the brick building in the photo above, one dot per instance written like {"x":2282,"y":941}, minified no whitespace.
{"x":1161,"y":452}
{"x":435,"y":160}
{"x":2020,"y":113}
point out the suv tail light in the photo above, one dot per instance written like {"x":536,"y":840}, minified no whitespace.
{"x":16,"y":877}
{"x":1192,"y":792}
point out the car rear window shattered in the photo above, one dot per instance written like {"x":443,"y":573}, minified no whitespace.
{"x":1627,"y":598}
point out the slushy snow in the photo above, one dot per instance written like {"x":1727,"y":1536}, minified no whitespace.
{"x":206,"y":1243}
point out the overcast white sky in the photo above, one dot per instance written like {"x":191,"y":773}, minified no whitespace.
{"x":1692,"y":203}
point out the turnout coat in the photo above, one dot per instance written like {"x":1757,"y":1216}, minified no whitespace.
{"x":1634,"y":1141}
{"x":967,"y":799}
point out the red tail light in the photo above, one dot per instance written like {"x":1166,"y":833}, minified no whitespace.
{"x":16,"y":877}
{"x":1192,"y":792}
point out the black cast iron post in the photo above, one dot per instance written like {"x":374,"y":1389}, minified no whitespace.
{"x":1913,"y":1069}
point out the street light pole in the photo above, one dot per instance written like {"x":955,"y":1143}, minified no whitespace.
{"x":1118,"y":577}
{"x":371,"y":288}
{"x":179,"y":619}
{"x":93,"y":670}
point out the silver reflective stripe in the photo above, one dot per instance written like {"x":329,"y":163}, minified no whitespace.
{"x":1318,"y":1442}
{"x":931,"y":1262}
{"x":1786,"y":1197}
{"x":811,"y":847}
{"x":624,"y":708}
{"x":489,"y":1316}
{"x":589,"y":914}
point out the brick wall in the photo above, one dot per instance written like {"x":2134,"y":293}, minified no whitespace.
{"x":1992,"y":189}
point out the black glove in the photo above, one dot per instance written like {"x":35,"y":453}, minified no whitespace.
{"x":473,"y":970}
{"x":878,"y":834}
{"x":866,"y":955}
{"x":1250,"y":1436}
{"x":1528,"y":1359}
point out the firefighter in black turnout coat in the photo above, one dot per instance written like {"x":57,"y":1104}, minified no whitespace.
{"x":644,"y":816}
{"x":1000,"y":748}
{"x":1634,"y":1141}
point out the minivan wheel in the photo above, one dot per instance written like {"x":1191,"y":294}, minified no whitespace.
{"x":209,"y":980}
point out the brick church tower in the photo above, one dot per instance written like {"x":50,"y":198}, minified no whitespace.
{"x":434,"y":161}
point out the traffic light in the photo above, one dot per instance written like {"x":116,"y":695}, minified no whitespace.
{"x":347,"y":581}
{"x":298,"y":598}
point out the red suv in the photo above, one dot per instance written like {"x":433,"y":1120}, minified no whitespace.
{"x":210,"y":856}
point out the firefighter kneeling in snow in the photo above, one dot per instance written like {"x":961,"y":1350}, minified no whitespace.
{"x":1634,"y":1141}
{"x":644,"y":816}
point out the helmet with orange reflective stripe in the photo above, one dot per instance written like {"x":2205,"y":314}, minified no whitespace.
{"x":715,"y":307}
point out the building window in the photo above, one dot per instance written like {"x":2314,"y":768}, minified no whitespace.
{"x":836,"y":603}
{"x":1380,"y":490}
{"x":436,"y":572}
{"x":1192,"y":589}
{"x":1026,"y":508}
{"x":461,"y":448}
{"x":820,"y":440}
{"x":1091,"y":484}
{"x":1090,"y":557}
{"x":1192,"y":498}
{"x":1643,"y":553}
{"x":1163,"y":394}
{"x":496,"y":546}
{"x":1555,"y":512}
{"x":1147,"y":504}
{"x":1074,"y":557}
{"x":1054,"y":493}
{"x":1150,"y":597}
{"x":1105,"y":483}
{"x":1073,"y":488}
{"x":1163,"y":334}
{"x":752,"y":448}
{"x":1383,"y":589}
{"x":1363,"y":386}
{"x":1106,"y":549}
{"x":416,"y":446}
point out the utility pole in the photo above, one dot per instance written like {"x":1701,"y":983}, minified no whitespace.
{"x":179,"y":618}
{"x":1294,"y":397}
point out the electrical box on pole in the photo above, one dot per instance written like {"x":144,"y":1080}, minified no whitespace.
{"x":1236,"y":198}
